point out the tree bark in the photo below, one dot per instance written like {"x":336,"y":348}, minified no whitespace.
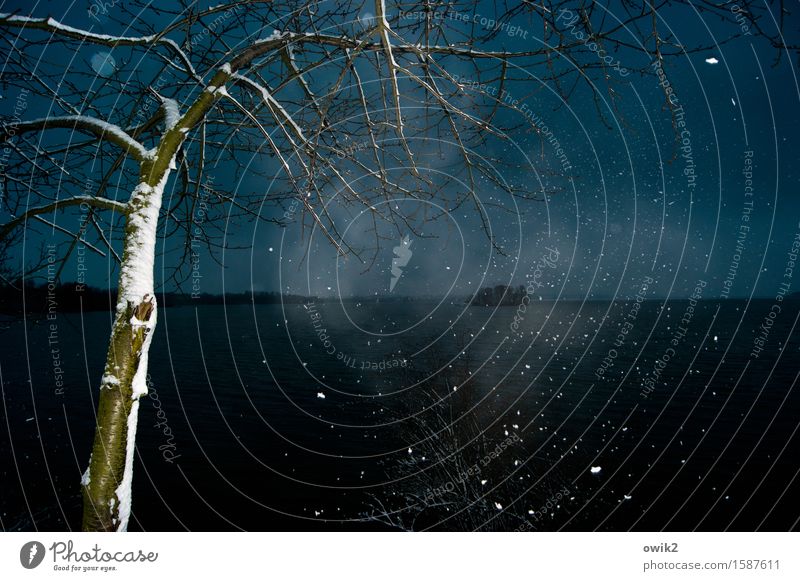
{"x":107,"y":483}
{"x":116,"y":416}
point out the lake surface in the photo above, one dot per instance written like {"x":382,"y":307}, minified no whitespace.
{"x":418,"y":415}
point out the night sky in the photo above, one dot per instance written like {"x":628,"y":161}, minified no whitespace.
{"x":623,"y":210}
{"x":628,"y":210}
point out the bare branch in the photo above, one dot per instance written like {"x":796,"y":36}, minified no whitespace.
{"x":102,"y":129}
{"x":102,"y":203}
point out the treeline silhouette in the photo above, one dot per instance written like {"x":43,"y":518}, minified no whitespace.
{"x":510,"y":296}
{"x":69,"y":297}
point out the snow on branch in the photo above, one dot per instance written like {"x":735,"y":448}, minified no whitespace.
{"x":97,"y":127}
{"x":287,"y":38}
{"x":54,"y":26}
{"x":287,"y":54}
{"x":275,"y":107}
{"x":384,"y":31}
{"x":172,"y":112}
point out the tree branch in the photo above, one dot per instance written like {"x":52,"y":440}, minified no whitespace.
{"x":90,"y":125}
{"x":102,"y":203}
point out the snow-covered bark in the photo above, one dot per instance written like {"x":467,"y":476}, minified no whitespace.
{"x":107,"y":483}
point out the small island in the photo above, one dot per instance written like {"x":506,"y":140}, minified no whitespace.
{"x":499,"y":296}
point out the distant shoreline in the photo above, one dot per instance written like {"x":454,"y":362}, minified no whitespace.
{"x":38,"y":299}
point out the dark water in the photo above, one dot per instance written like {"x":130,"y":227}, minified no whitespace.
{"x":414,"y":395}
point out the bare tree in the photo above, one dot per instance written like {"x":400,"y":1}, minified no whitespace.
{"x":326,"y":91}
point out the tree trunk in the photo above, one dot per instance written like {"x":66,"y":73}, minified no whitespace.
{"x":107,"y":482}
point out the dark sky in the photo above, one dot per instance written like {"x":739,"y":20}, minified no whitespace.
{"x":629,"y":211}
{"x":624,"y":211}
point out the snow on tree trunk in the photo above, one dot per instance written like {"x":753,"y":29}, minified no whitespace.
{"x":107,"y":483}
